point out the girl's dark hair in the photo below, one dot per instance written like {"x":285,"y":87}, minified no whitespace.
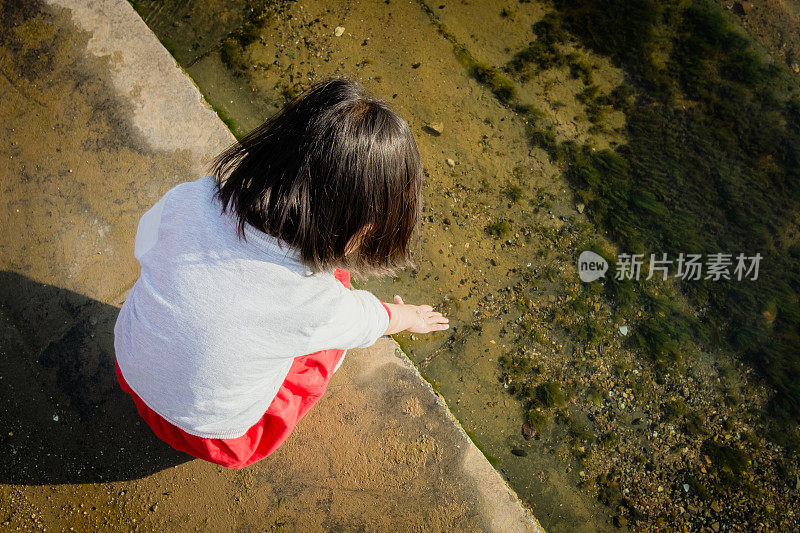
{"x":332,"y":165}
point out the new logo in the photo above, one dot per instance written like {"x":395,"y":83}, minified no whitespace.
{"x":591,"y":266}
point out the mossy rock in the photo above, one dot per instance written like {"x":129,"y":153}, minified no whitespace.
{"x":499,"y":229}
{"x":514,"y":192}
{"x":729,"y":461}
{"x":538,"y":420}
{"x":233,"y":55}
{"x":550,"y":395}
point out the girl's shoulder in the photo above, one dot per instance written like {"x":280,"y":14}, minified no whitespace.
{"x":200,"y":187}
{"x":190,"y":193}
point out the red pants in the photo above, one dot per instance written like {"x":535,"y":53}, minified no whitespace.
{"x":305,"y":384}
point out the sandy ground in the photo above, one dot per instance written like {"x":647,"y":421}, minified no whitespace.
{"x":84,"y":155}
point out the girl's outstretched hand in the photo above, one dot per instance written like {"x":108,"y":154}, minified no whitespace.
{"x":414,"y":318}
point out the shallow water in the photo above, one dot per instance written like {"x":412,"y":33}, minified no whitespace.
{"x":505,"y":293}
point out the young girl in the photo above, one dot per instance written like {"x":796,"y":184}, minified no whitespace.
{"x":243,"y":309}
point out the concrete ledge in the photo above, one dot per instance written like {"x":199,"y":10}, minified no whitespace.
{"x":168,"y":109}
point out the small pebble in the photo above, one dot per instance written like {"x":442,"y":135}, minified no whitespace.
{"x":437,"y":127}
{"x":339,"y":31}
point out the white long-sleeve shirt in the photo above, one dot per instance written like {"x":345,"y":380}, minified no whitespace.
{"x":208,"y":332}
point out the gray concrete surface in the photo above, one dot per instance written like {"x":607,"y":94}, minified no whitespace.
{"x":98,"y":123}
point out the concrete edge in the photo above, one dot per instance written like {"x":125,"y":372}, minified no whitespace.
{"x":487,"y":479}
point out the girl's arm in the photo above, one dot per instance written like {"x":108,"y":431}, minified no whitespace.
{"x":414,"y":318}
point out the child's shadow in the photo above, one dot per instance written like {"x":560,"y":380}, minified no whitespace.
{"x":63,"y":416}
